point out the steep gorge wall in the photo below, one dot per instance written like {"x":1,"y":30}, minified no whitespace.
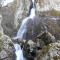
{"x":15,"y":12}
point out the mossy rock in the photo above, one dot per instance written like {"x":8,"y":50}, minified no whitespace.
{"x":45,"y":49}
{"x":54,"y":13}
{"x":56,"y":57}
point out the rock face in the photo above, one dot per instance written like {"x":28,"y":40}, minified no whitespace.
{"x":45,"y":38}
{"x":49,"y":52}
{"x":13,"y":13}
{"x":6,"y":45}
{"x":8,"y":12}
{"x":6,"y":48}
{"x":17,"y":10}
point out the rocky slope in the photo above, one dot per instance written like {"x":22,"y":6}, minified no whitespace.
{"x":49,"y":52}
{"x":11,"y":17}
{"x":6,"y":45}
{"x":6,"y":48}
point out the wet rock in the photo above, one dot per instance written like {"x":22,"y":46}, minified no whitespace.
{"x":29,"y":49}
{"x":22,"y":11}
{"x":46,"y":37}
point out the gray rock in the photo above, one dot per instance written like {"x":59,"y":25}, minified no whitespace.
{"x":8,"y":12}
{"x":6,"y":47}
{"x":22,"y":11}
{"x":13,"y":13}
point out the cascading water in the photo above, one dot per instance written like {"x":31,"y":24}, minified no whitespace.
{"x":23,"y":28}
{"x":18,"y":52}
{"x":21,"y":32}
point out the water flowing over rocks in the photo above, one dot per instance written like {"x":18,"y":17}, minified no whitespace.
{"x":44,"y":46}
{"x":17,"y":10}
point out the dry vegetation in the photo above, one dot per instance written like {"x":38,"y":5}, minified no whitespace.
{"x":54,"y":13}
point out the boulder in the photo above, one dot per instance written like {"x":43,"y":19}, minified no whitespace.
{"x":46,"y":37}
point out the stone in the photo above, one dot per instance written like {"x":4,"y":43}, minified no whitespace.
{"x":6,"y":47}
{"x":43,"y":39}
{"x":50,"y":52}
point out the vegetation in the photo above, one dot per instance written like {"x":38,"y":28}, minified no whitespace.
{"x":54,"y":12}
{"x":45,"y":49}
{"x":56,"y":57}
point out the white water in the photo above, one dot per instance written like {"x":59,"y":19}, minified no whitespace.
{"x":18,"y":52}
{"x":20,"y":33}
{"x":5,"y":2}
{"x":23,"y":27}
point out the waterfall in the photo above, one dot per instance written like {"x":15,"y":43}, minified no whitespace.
{"x":18,"y":52}
{"x":23,"y":28}
{"x":26,"y":24}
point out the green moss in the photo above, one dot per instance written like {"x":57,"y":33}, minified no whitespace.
{"x":0,"y":34}
{"x":45,"y":49}
{"x":56,"y":57}
{"x":54,"y":13}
